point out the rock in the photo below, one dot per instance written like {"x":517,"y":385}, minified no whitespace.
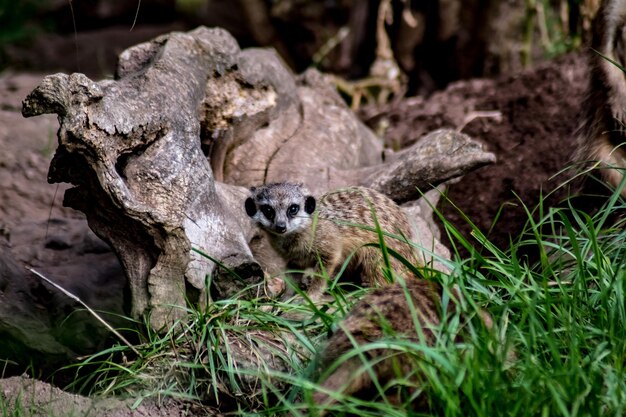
{"x":39,"y":399}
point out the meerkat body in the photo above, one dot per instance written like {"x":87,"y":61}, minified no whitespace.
{"x":602,"y":134}
{"x":383,"y":312}
{"x":411,"y":310}
{"x":306,"y":231}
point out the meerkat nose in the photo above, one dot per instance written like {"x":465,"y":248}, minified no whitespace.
{"x":280,"y":228}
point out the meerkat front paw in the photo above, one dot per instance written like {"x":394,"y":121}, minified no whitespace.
{"x":275,"y":287}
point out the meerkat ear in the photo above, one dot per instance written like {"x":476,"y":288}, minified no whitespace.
{"x":250,"y":207}
{"x":309,"y":204}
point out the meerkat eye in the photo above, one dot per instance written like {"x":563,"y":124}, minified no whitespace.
{"x":268,"y":212}
{"x":293,"y":210}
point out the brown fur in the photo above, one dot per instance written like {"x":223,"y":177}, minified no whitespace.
{"x":330,"y":233}
{"x":337,"y":233}
{"x":601,"y":136}
{"x":333,"y":232}
{"x":383,"y":309}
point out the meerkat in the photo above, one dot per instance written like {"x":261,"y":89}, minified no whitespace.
{"x":383,"y":312}
{"x":307,"y":231}
{"x":410,"y":309}
{"x":601,"y":135}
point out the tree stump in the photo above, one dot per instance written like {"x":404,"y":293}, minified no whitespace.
{"x":160,"y":157}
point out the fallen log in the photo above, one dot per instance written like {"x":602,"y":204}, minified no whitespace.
{"x":160,"y":158}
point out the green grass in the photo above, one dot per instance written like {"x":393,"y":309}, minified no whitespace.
{"x":194,"y":360}
{"x":557,"y":346}
{"x":565,"y":319}
{"x":13,"y":409}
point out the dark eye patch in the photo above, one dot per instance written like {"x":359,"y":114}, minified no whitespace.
{"x":268,"y":212}
{"x":293,"y":210}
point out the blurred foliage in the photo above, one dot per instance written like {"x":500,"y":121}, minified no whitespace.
{"x":431,"y":42}
{"x":562,"y":25}
{"x":19,"y":22}
{"x":189,"y":6}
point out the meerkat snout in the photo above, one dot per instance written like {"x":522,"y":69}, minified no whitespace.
{"x":280,"y":227}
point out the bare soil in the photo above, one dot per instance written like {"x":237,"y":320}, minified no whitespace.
{"x":36,"y":398}
{"x":527,"y":119}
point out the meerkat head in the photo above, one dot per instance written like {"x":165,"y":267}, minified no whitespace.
{"x":281,"y":208}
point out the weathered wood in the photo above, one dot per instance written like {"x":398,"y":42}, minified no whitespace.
{"x":131,"y":148}
{"x":136,"y":150}
{"x":437,"y":157}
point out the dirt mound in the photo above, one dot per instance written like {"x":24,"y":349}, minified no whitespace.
{"x":40,"y":399}
{"x":528,"y":120}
